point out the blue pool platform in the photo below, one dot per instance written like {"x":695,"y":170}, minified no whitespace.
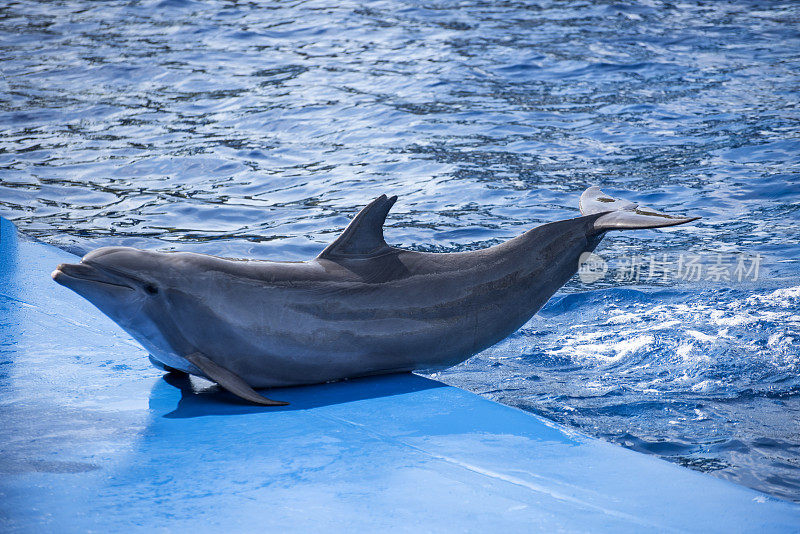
{"x":95,"y":439}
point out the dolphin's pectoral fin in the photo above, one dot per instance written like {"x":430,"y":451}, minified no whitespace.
{"x":364,"y":235}
{"x":164,"y":367}
{"x":622,"y":214}
{"x":230,"y":381}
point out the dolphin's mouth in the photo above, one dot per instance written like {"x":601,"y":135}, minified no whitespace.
{"x":82,"y":272}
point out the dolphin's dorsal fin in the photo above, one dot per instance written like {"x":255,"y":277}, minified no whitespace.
{"x":364,"y":235}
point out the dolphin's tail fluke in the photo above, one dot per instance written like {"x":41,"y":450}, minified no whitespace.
{"x":622,"y":214}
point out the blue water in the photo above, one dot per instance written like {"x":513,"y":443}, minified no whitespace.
{"x":258,"y":130}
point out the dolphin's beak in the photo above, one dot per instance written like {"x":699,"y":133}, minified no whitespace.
{"x":75,"y":275}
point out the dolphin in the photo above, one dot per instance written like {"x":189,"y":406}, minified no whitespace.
{"x":360,"y":308}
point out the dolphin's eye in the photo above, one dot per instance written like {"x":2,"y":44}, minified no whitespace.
{"x":150,"y":288}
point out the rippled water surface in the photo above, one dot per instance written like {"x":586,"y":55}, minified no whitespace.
{"x":259,"y":129}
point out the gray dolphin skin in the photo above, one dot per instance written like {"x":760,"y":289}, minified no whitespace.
{"x":360,"y":308}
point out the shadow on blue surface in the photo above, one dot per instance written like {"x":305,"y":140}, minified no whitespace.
{"x":198,"y":398}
